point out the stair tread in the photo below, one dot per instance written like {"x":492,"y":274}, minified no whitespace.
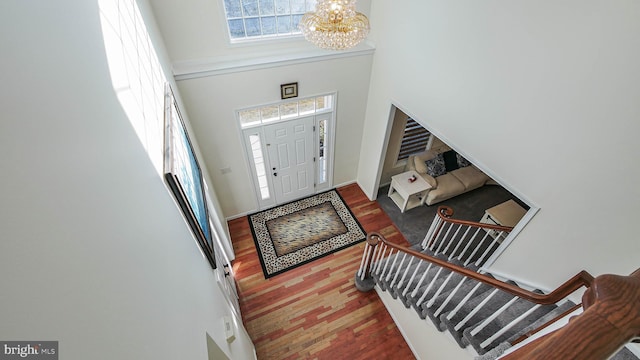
{"x":624,"y":354}
{"x":564,"y":306}
{"x":443,"y":282}
{"x":467,"y":286}
{"x":519,"y":307}
{"x":498,"y":299}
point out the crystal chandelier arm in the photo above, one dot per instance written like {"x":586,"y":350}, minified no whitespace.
{"x":335,"y":25}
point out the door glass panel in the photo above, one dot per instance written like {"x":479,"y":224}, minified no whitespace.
{"x":258,"y":161}
{"x":322,"y":158}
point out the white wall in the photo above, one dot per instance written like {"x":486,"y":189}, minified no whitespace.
{"x":195,"y":37}
{"x":212,"y":102}
{"x":541,"y":95}
{"x":94,"y":251}
{"x":391,"y":165}
{"x":195,"y":30}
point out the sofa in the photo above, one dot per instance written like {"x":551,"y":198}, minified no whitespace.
{"x":448,"y":173}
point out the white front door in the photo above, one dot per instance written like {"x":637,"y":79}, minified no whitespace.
{"x":291,"y":151}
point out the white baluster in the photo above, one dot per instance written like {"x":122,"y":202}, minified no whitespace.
{"x":486,"y":252}
{"x":444,"y":238}
{"x":386,"y":263}
{"x":486,"y":321}
{"x":434,"y":225}
{"x":464,"y":300}
{"x":464,"y":251}
{"x":406,"y":271}
{"x":444,"y":283}
{"x":397,"y":270}
{"x":415,"y":272}
{"x":363,"y":261}
{"x":380,"y":258}
{"x":503,"y":330}
{"x":455,"y":235}
{"x":486,"y":235}
{"x":459,"y":243}
{"x":475,"y":310}
{"x":424,"y":294}
{"x":424,"y":274}
{"x":448,"y":299}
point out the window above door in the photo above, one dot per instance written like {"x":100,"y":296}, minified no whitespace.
{"x":264,"y":19}
{"x":288,"y":110}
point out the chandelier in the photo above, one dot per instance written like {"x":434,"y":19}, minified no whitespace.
{"x":335,"y":25}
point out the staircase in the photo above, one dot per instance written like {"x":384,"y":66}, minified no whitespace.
{"x":443,"y":281}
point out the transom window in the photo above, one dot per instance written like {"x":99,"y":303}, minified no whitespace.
{"x":260,"y":19}
{"x":285,"y":111}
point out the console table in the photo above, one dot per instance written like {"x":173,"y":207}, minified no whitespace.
{"x":406,"y":194}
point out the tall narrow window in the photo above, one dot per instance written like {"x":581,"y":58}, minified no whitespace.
{"x":136,"y":74}
{"x":414,"y":139}
{"x":322,"y":155}
{"x":258,"y":160}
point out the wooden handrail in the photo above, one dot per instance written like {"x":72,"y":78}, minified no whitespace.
{"x":610,"y":320}
{"x":583,"y":278}
{"x":445,"y":213}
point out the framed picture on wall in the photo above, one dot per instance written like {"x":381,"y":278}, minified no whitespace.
{"x":183,"y":175}
{"x":289,"y":90}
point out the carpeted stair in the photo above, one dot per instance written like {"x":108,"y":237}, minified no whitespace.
{"x":475,"y":314}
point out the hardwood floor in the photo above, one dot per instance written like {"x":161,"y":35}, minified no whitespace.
{"x":315,"y":311}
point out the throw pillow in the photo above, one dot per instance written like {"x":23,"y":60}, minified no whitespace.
{"x":420,"y":159}
{"x":450,"y":160}
{"x":462,"y":162}
{"x":435,"y":166}
{"x":420,"y":165}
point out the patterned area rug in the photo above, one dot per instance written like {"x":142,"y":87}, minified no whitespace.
{"x":296,"y":233}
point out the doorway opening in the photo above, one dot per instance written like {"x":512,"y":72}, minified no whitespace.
{"x":469,"y":190}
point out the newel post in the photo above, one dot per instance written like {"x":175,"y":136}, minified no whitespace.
{"x":364,"y":281}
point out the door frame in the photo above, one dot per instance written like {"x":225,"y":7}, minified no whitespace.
{"x":320,"y":185}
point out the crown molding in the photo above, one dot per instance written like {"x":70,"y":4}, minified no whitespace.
{"x":192,"y":69}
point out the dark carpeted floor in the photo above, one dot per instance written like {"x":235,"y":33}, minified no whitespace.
{"x":414,"y":223}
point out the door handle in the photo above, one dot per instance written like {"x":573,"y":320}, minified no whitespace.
{"x":275,"y":174}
